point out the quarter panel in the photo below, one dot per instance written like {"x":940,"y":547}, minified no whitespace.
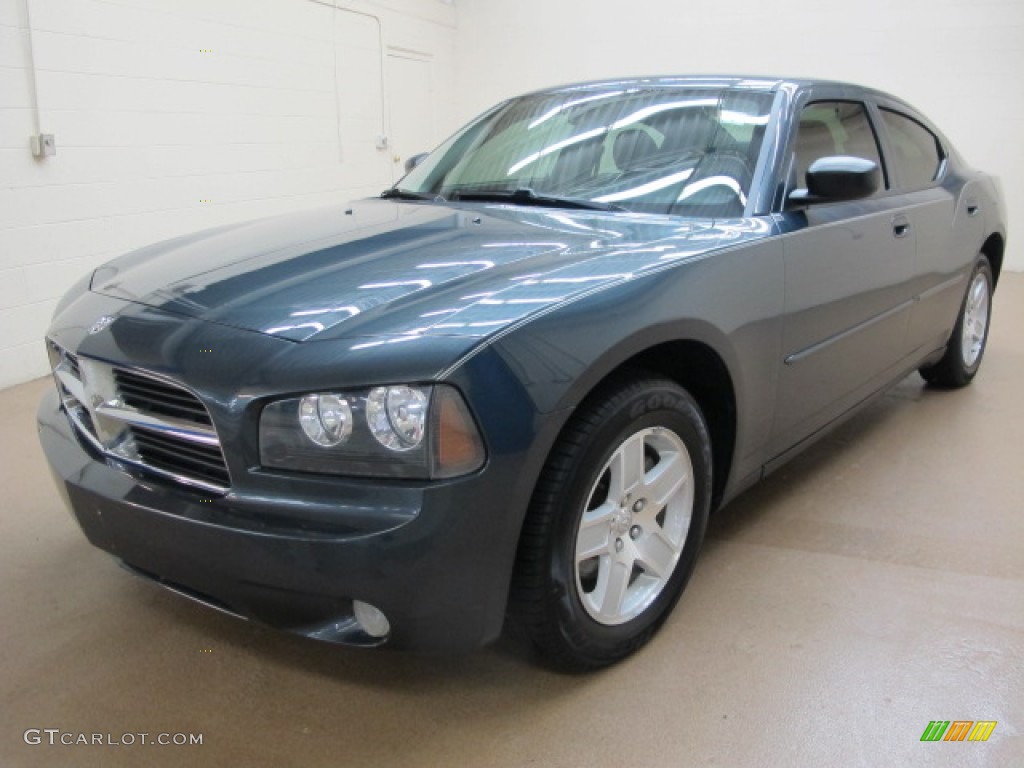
{"x":948,"y":239}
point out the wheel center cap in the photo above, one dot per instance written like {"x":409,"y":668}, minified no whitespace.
{"x":621,"y":521}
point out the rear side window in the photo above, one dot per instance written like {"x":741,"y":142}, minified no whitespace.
{"x":917,"y":153}
{"x":832,"y":128}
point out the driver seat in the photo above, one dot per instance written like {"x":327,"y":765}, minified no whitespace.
{"x":632,"y":148}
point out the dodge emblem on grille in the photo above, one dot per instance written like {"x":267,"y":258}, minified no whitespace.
{"x":101,"y":323}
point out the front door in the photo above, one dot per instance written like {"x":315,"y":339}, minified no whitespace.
{"x":848,"y":278}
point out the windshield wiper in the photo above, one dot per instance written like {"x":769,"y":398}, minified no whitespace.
{"x":526,"y":196}
{"x":396,"y":193}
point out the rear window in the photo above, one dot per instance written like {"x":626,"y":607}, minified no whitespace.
{"x":917,"y":153}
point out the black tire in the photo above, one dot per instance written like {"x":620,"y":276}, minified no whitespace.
{"x":549,"y":589}
{"x":956,"y":368}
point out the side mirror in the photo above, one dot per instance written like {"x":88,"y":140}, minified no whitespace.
{"x":837,"y":178}
{"x":415,"y":160}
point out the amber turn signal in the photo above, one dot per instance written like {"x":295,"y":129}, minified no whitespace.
{"x":458,"y":448}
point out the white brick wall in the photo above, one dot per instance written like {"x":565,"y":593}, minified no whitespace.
{"x":171,"y":117}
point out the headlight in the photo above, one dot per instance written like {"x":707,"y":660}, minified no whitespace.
{"x":397,"y":416}
{"x":396,"y":431}
{"x":326,"y":419}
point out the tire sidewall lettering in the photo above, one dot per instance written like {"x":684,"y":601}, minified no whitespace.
{"x":657,"y":401}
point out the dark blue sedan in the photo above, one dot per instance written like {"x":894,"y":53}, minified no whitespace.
{"x":518,"y":383}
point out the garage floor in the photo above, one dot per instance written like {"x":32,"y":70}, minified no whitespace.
{"x":873,"y":585}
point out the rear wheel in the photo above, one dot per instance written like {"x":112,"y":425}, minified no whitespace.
{"x":615,"y":525}
{"x":967,"y":344}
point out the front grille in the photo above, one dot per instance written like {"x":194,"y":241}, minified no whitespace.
{"x":141,"y":419}
{"x":86,"y":419}
{"x":180,"y":458}
{"x":151,"y":395}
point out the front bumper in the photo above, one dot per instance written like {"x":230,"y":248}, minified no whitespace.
{"x":436,"y":558}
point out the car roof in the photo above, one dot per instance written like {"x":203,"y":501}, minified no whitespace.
{"x":754,"y":83}
{"x":764,"y":84}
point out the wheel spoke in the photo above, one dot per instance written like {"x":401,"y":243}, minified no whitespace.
{"x":664,"y":480}
{"x":616,"y":582}
{"x":627,"y":467}
{"x":594,"y":537}
{"x":656,"y":553}
{"x":979,"y":292}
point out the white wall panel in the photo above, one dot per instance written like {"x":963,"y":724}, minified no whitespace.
{"x":172,"y":117}
{"x":14,"y":90}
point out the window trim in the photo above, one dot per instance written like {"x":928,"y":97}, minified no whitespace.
{"x":943,"y":152}
{"x":880,"y":145}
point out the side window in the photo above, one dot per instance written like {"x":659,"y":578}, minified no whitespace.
{"x":832,"y":128}
{"x":917,"y":152}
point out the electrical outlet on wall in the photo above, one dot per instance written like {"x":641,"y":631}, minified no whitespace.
{"x":44,"y":145}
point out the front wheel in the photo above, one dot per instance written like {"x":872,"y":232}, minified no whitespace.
{"x":967,"y":344}
{"x":615,"y":525}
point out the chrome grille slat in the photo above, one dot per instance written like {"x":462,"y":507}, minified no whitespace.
{"x":81,"y":419}
{"x":141,"y":419}
{"x":193,"y":433}
{"x":72,"y":384}
{"x":158,"y":455}
{"x":142,"y":397}
{"x":150,"y":395}
{"x":171,"y":456}
{"x":160,"y":452}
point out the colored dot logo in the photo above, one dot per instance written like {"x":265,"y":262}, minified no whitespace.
{"x":959,"y":730}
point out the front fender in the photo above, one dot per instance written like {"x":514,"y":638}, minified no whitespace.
{"x":731,"y":301}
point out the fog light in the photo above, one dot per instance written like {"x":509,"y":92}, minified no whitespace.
{"x":370,"y":618}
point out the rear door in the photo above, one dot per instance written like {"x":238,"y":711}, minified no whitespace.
{"x":849,"y":267}
{"x":945,"y":218}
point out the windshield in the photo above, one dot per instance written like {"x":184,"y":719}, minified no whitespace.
{"x":681,"y":151}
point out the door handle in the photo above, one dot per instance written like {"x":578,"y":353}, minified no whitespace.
{"x":900,"y":226}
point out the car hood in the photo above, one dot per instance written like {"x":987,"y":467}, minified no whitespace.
{"x":383,"y":267}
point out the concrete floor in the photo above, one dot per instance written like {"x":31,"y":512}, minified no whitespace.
{"x":873,"y":585}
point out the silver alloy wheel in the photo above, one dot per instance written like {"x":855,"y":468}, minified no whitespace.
{"x":634,"y":526}
{"x":975,"y":320}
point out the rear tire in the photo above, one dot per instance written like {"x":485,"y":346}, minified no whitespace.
{"x":615,"y":524}
{"x":966,"y":346}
